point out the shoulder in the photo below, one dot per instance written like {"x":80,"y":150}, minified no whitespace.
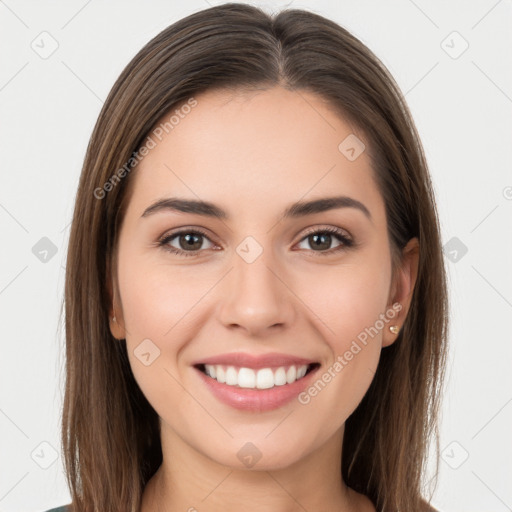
{"x":64,"y":508}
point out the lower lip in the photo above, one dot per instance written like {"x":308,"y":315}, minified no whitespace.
{"x":257,"y":400}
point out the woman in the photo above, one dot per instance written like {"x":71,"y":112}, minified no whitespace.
{"x":256,"y":305}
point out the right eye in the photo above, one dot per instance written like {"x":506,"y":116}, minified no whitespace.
{"x":189,"y":240}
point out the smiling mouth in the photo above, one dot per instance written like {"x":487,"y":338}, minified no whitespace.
{"x":260,"y":378}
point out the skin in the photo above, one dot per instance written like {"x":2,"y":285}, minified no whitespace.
{"x":254,"y":154}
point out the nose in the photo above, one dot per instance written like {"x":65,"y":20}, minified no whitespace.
{"x":256,"y":297}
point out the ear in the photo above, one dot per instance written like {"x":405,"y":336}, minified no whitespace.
{"x":402,"y":288}
{"x":115,"y":311}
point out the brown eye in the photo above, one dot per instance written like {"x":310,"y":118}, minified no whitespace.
{"x":189,"y":243}
{"x":320,"y":240}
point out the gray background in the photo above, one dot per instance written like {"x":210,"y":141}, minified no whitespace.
{"x":461,"y":100}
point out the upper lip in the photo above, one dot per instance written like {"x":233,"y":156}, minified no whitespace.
{"x":244,"y":360}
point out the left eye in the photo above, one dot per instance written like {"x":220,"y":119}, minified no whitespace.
{"x":190,"y":242}
{"x":322,"y":239}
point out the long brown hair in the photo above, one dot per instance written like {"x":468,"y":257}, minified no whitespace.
{"x":110,"y":433}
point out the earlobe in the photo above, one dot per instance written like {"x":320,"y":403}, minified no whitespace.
{"x":403,"y":289}
{"x":115,"y":320}
{"x":115,"y":328}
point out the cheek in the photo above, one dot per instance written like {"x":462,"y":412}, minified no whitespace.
{"x":348,"y":299}
{"x":156,"y":299}
{"x":158,"y":306}
{"x":163,"y":310}
{"x":351,"y":304}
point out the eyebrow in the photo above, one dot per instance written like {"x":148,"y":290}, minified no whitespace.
{"x":296,"y":210}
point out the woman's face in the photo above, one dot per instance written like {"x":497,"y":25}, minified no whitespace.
{"x":253,"y":280}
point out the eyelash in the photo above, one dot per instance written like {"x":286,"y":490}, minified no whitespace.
{"x":346,"y":242}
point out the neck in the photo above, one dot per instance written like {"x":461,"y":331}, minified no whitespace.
{"x":190,"y":481}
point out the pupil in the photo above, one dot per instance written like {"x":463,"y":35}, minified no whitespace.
{"x":325,"y":244}
{"x":192,"y":239}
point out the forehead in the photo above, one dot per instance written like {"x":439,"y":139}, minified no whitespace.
{"x":240,"y":146}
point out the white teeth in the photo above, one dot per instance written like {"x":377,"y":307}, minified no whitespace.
{"x":221,"y":374}
{"x":246,"y":378}
{"x":231,"y":376}
{"x":264,"y":378}
{"x":291,"y":374}
{"x":280,"y":377}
